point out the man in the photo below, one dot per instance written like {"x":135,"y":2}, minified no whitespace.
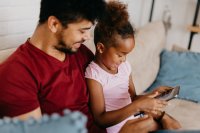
{"x":46,"y":73}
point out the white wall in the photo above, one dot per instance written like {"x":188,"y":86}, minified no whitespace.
{"x":18,"y":19}
{"x":181,"y":12}
{"x":139,"y":11}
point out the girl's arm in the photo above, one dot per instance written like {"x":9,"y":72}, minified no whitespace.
{"x":131,"y":88}
{"x":97,"y":105}
{"x":133,"y":94}
{"x":132,"y":91}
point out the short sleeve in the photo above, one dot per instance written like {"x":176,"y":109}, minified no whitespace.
{"x":128,"y":67}
{"x":92,"y":73}
{"x":18,"y":89}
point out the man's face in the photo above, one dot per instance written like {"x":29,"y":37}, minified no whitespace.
{"x":71,"y":38}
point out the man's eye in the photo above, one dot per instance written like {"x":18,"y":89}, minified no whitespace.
{"x":82,"y":31}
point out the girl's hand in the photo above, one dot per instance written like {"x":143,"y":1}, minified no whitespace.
{"x":159,"y":90}
{"x":150,"y":104}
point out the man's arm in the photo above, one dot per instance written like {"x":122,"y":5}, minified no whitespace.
{"x":169,"y":122}
{"x":34,"y":114}
{"x":19,"y":90}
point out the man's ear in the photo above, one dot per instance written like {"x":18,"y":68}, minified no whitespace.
{"x":53,"y":24}
{"x":100,"y":47}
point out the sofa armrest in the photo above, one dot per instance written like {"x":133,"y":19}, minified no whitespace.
{"x":4,"y":54}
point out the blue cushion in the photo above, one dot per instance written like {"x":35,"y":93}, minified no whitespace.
{"x":71,"y":122}
{"x":180,"y":68}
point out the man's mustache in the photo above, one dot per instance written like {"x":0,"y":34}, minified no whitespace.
{"x":82,"y":41}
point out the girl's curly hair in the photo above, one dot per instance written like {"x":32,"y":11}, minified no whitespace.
{"x":114,"y":22}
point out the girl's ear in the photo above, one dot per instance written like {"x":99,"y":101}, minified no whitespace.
{"x":100,"y":47}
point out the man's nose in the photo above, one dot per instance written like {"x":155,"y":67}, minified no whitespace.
{"x":87,"y":36}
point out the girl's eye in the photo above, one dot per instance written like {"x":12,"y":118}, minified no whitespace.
{"x":119,"y":55}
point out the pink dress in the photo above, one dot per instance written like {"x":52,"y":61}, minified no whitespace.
{"x":115,"y":88}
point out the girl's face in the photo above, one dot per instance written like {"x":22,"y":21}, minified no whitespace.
{"x":113,"y":56}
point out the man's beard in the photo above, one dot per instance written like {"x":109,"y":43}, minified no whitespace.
{"x":65,"y":49}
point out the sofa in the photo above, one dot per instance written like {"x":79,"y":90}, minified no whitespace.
{"x":150,"y":63}
{"x":146,"y":60}
{"x":149,"y":59}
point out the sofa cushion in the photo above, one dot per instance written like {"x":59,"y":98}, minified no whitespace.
{"x":5,"y":53}
{"x":186,"y":112}
{"x":145,"y":57}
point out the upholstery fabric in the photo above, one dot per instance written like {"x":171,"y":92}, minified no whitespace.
{"x":145,"y":57}
{"x":71,"y":122}
{"x":180,"y":68}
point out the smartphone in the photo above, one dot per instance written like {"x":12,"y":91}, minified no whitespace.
{"x":168,"y":95}
{"x":139,"y":114}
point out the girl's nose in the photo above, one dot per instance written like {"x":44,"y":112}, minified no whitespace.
{"x":123,"y":59}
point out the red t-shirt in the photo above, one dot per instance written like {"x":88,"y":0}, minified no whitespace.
{"x":30,"y":78}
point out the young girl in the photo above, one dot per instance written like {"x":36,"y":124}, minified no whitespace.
{"x":112,"y":94}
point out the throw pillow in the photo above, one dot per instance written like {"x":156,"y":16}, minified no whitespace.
{"x":180,"y":68}
{"x":71,"y":122}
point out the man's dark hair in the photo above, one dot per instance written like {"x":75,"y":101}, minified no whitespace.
{"x":69,"y":11}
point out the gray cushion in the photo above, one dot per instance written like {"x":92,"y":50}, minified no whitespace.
{"x":71,"y":122}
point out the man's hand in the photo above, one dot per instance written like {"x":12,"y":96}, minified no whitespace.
{"x":140,"y":125}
